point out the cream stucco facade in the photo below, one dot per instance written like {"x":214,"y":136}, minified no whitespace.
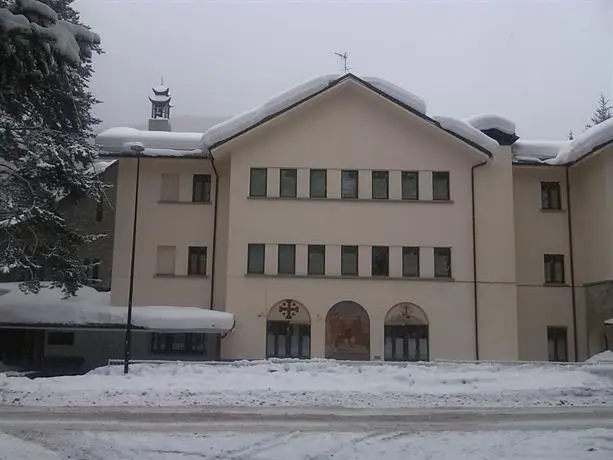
{"x":493,"y":223}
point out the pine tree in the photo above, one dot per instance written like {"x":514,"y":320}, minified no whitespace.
{"x":603,"y":112}
{"x":45,"y":133}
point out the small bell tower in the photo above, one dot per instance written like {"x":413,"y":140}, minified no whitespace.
{"x":160,"y":108}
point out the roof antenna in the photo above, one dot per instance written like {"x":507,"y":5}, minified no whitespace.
{"x":344,"y":56}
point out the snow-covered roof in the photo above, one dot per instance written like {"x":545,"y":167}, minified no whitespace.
{"x":487,"y":121}
{"x":588,"y":141}
{"x":467,"y":133}
{"x":90,"y":308}
{"x":100,"y":166}
{"x":159,"y":89}
{"x":159,"y":98}
{"x":540,"y":150}
{"x":113,"y":140}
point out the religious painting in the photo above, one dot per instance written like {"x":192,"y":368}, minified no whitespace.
{"x":348,"y":332}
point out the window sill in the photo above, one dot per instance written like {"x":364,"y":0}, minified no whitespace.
{"x":348,"y":277}
{"x":337,"y":199}
{"x":554,"y":211}
{"x":198,"y":203}
{"x":162,"y":275}
{"x":556,"y":285}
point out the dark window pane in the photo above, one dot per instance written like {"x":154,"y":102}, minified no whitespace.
{"x":317,"y":259}
{"x":410,"y":261}
{"x":95,"y":269}
{"x":60,"y":338}
{"x":287,"y":340}
{"x":380,"y":185}
{"x":550,"y":195}
{"x":255,"y":258}
{"x":258,"y":181}
{"x":287,"y":259}
{"x":442,"y":262}
{"x":318,"y":183}
{"x":99,"y":211}
{"x":201,"y":188}
{"x":554,"y":268}
{"x":349,"y":184}
{"x":410,"y":185}
{"x":380,"y":261}
{"x":440,"y":186}
{"x":190,"y":343}
{"x":287,"y":183}
{"x":557,"y":345}
{"x":196,"y":264}
{"x":349,"y":260}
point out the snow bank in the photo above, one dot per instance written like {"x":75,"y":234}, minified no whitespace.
{"x":541,"y":150}
{"x":398,"y":93}
{"x":92,"y":308}
{"x":486,"y":121}
{"x":113,"y":139}
{"x":318,"y":383}
{"x":463,"y":129}
{"x":584,"y":143}
{"x":604,"y":357}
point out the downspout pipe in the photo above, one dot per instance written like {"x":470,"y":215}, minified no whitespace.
{"x":572,"y":264}
{"x":475,"y":285}
{"x":214,"y":249}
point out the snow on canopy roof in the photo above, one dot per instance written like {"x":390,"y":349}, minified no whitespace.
{"x":588,"y":141}
{"x":540,"y":150}
{"x":160,"y":89}
{"x":468,"y":133}
{"x":92,"y":308}
{"x":159,"y":98}
{"x":487,"y":121}
{"x":609,"y":322}
{"x":114,"y":139}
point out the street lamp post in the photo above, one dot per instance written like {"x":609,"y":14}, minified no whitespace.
{"x":138,"y":149}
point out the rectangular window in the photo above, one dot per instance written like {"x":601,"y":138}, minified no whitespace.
{"x":170,"y":187}
{"x":258,"y":182}
{"x":196,"y":261}
{"x":317,"y":259}
{"x":95,"y":270}
{"x":410,"y":261}
{"x":288,"y":183}
{"x":166,"y":260}
{"x":88,"y":268}
{"x":442,"y":262}
{"x":557,"y":345}
{"x":410,"y":185}
{"x":189,"y":343}
{"x":286,"y":259}
{"x":550,"y":195}
{"x":380,"y":261}
{"x":318,"y":183}
{"x":60,"y":338}
{"x":349,"y":184}
{"x":380,"y":185}
{"x":440,"y":186}
{"x":255,"y":258}
{"x":349,"y":260}
{"x":554,"y":268}
{"x":201,"y":188}
{"x":99,"y":211}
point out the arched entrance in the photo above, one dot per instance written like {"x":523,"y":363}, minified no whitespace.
{"x":406,"y":333}
{"x":288,"y":330}
{"x":348,"y":332}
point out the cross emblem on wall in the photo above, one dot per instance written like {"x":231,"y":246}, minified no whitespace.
{"x":289,"y":309}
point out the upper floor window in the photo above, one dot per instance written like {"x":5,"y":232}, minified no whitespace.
{"x":380,"y":261}
{"x":349,"y":260}
{"x":442,"y":262}
{"x":196,"y":261}
{"x":550,"y":195}
{"x":255,"y":258}
{"x":288,"y":183}
{"x":317,"y":259}
{"x":554,"y":268}
{"x":170,"y":187}
{"x":99,"y":210}
{"x":318,"y":185}
{"x":349,"y":184}
{"x":166,"y":260}
{"x":258,"y":182}
{"x":201,"y":190}
{"x":410,"y":261}
{"x":410,"y":185}
{"x":286,"y":259}
{"x":380,"y":185}
{"x":440,"y":186}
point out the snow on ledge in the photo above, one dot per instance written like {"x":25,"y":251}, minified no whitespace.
{"x":463,"y":129}
{"x":486,"y":121}
{"x":584,"y":143}
{"x":92,"y":308}
{"x":609,"y":322}
{"x":113,"y":139}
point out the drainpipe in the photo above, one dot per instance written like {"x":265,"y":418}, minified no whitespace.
{"x":214,"y":250}
{"x":572,"y":264}
{"x":475,"y":289}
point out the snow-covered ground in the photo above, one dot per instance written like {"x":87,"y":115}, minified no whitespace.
{"x":322,"y":383}
{"x":594,"y":444}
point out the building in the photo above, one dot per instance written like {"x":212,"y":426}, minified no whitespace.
{"x":341,"y":220}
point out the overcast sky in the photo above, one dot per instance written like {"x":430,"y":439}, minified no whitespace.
{"x":540,"y":63}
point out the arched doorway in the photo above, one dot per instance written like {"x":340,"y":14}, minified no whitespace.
{"x":348,"y":332}
{"x":406,"y":333}
{"x":288,"y":330}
